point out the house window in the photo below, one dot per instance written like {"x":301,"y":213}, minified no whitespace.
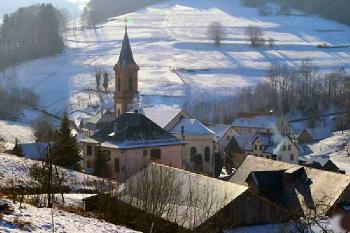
{"x":274,"y":157}
{"x":284,"y":147}
{"x":268,"y":130}
{"x":155,"y":154}
{"x":116,"y":165}
{"x":207,"y":154}
{"x":289,"y":147}
{"x":261,"y":147}
{"x":130,"y":84}
{"x":88,"y":164}
{"x":144,"y":152}
{"x":292,"y":157}
{"x":89,"y":150}
{"x":228,"y":138}
{"x":255,"y":147}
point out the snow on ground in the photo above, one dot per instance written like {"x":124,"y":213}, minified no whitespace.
{"x":16,"y":170}
{"x":336,"y":147}
{"x":175,"y":56}
{"x":10,"y":131}
{"x":40,"y":220}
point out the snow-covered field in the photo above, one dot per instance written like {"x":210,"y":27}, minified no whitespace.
{"x":16,"y":170}
{"x":336,"y":147}
{"x":10,"y":131}
{"x":40,"y":220}
{"x":172,"y":36}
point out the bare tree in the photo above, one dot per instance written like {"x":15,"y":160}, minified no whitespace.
{"x":216,"y":32}
{"x":175,"y":196}
{"x":255,"y":35}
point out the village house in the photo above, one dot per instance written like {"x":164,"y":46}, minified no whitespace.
{"x":294,"y":187}
{"x":223,"y":134}
{"x":267,"y":145}
{"x":188,"y":202}
{"x":199,"y":150}
{"x":131,"y":142}
{"x":261,"y":123}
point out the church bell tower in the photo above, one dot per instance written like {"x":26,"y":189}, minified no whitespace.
{"x":126,"y":79}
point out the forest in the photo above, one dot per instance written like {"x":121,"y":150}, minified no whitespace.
{"x":337,"y":10}
{"x":98,"y":11}
{"x":30,"y":33}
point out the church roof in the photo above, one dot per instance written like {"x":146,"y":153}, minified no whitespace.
{"x":126,"y":57}
{"x":134,"y":130}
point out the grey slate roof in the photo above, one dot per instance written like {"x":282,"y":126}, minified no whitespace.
{"x":126,"y":57}
{"x":132,"y":130}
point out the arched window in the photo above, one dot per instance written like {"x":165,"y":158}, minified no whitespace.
{"x":207,"y":154}
{"x":193,"y":153}
{"x":193,"y":150}
{"x":130,"y":84}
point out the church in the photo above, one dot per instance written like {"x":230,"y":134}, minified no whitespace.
{"x":134,"y":137}
{"x":126,"y":79}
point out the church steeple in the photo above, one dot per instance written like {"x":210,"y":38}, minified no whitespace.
{"x":126,"y":57}
{"x":126,"y":78}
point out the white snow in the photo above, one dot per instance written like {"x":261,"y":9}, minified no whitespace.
{"x":10,"y":131}
{"x":40,"y":220}
{"x":16,"y":170}
{"x":191,"y":127}
{"x":336,"y":148}
{"x":172,"y":36}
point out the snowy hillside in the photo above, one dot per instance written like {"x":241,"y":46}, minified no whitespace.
{"x":172,"y":36}
{"x":16,"y":170}
{"x":31,"y":219}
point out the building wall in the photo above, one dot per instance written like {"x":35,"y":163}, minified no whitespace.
{"x":133,"y":160}
{"x":282,"y":126}
{"x":286,"y":152}
{"x":200,"y":143}
{"x":226,"y":138}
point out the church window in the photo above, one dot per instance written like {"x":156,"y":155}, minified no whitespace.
{"x":130,"y":84}
{"x":207,"y":154}
{"x":118,"y":84}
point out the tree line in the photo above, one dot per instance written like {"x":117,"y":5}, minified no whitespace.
{"x":30,"y":33}
{"x":334,"y":10}
{"x":98,"y":11}
{"x":302,"y":89}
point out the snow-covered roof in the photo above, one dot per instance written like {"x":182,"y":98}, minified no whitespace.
{"x":219,"y":130}
{"x":36,"y":151}
{"x":191,"y":127}
{"x":162,"y":115}
{"x":190,"y":184}
{"x":256,"y":120}
{"x":244,"y":141}
{"x":325,"y":186}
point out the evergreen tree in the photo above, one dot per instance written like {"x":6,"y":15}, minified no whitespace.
{"x":101,"y":166}
{"x":105,"y":81}
{"x":66,"y":151}
{"x":17,"y":150}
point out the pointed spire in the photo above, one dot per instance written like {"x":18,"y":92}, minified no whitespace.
{"x":126,"y":57}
